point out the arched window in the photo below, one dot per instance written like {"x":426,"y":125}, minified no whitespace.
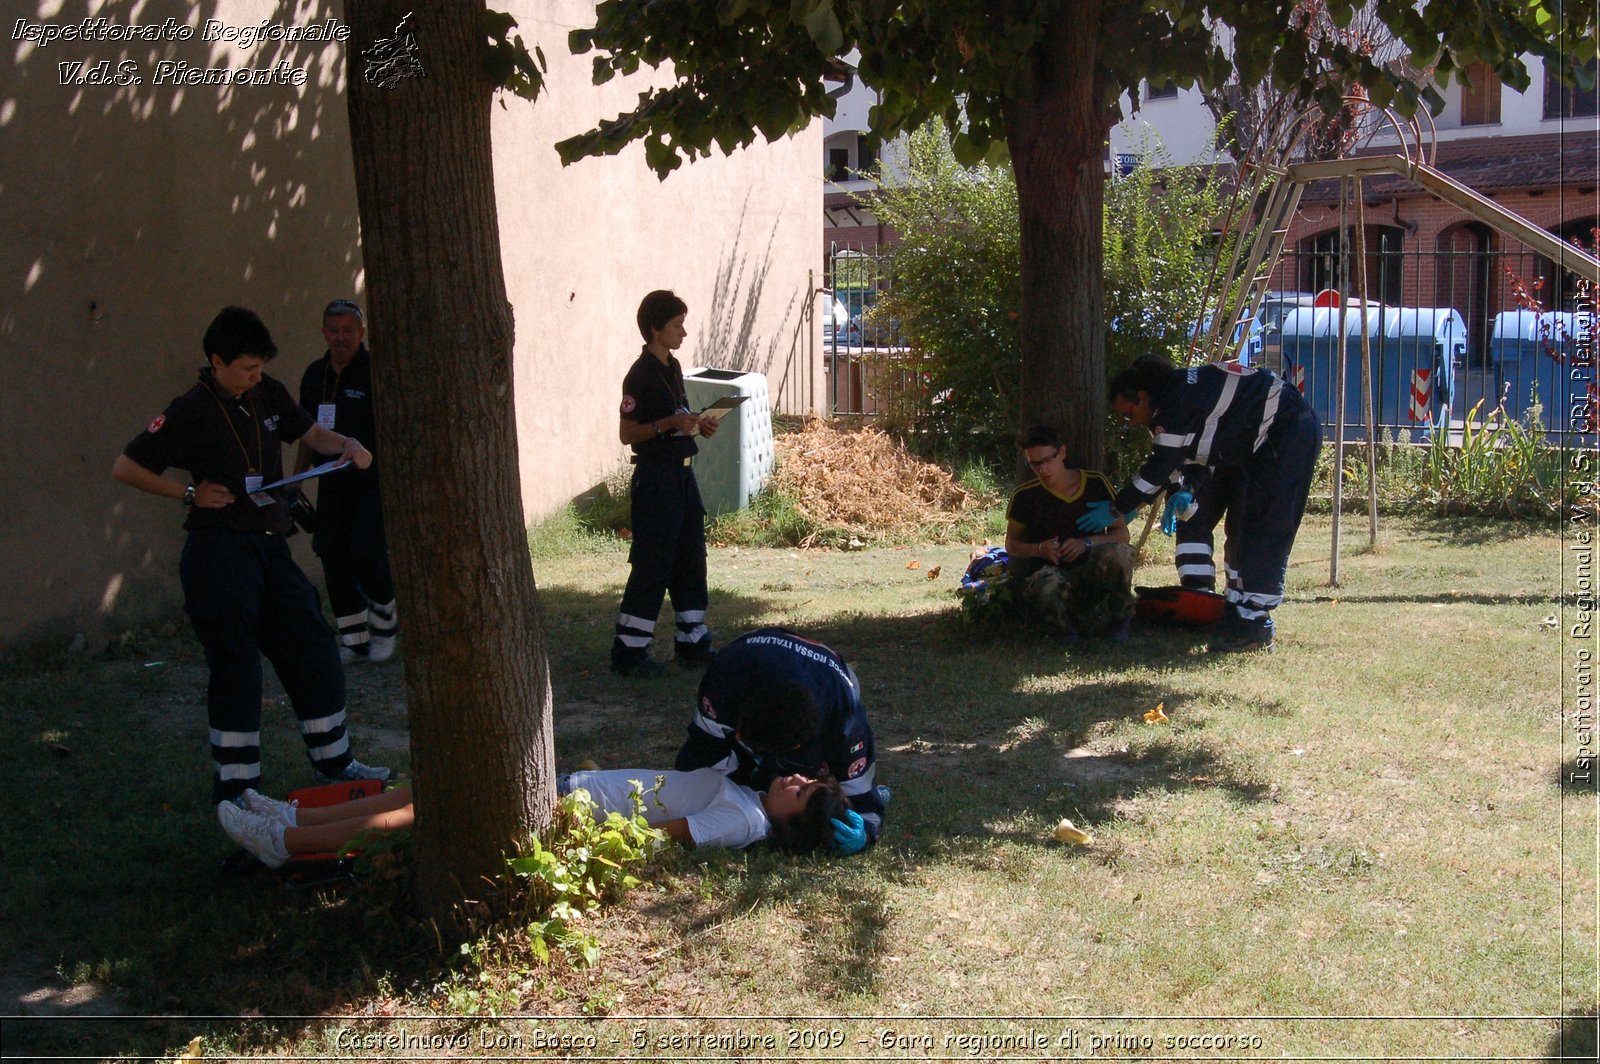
{"x":1320,"y":255}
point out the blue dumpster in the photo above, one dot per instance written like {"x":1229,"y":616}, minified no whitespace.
{"x":1414,"y":368}
{"x":1546,"y":358}
{"x":1309,"y":352}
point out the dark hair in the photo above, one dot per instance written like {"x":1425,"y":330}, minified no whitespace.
{"x":1039,"y":436}
{"x":236,"y":332}
{"x":341,"y":307}
{"x":776,"y":716}
{"x":811,"y":828}
{"x":1148,"y":374}
{"x":656,"y":309}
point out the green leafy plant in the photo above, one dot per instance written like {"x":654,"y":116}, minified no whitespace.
{"x":953,"y":388}
{"x":1158,"y":222}
{"x":551,"y":888}
{"x":583,"y":864}
{"x":955,"y":297}
{"x":1502,"y":466}
{"x":1498,"y":466}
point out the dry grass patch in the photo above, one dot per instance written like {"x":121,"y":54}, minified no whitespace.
{"x":863,"y":480}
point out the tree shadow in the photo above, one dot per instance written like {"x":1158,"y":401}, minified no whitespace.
{"x":133,"y":212}
{"x":971,"y":747}
{"x":1578,"y":1039}
{"x":1477,"y":531}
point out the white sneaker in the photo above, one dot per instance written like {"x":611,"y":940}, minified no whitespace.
{"x":284,"y":813}
{"x":257,"y":834}
{"x":355,"y":770}
{"x":349,"y":656}
{"x":380,"y":648}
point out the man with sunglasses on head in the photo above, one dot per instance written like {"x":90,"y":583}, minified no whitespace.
{"x":336,"y":390}
{"x":773,"y":703}
{"x":1080,"y":583}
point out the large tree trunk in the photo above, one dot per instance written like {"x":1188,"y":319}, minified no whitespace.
{"x":477,"y":678}
{"x":1055,"y":133}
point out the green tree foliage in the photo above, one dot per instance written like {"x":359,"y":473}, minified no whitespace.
{"x":1158,"y":223}
{"x":955,"y":296}
{"x":956,"y":290}
{"x":1040,"y":80}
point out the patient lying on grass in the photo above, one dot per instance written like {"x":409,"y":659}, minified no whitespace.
{"x":702,"y":808}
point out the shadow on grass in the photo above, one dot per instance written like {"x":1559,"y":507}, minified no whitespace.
{"x":1579,"y":1039}
{"x":1477,"y":531}
{"x":1444,"y":598}
{"x":977,"y":731}
{"x":111,"y":860}
{"x":1578,"y":777}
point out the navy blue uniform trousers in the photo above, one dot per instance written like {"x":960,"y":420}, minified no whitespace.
{"x":1216,"y":501}
{"x":668,"y":557}
{"x":1271,"y":502}
{"x":355,"y":554}
{"x":246,"y":598}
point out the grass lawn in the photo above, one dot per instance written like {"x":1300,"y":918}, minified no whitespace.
{"x":1359,"y":847}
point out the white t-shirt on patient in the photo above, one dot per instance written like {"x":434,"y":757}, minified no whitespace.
{"x":719,"y":811}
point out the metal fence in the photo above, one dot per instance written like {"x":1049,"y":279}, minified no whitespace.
{"x":1477,"y":320}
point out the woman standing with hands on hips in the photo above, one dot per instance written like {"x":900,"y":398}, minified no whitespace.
{"x":668,"y":555}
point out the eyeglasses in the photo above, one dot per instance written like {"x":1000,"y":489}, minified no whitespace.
{"x":1040,"y":463}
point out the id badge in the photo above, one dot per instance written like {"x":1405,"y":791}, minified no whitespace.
{"x":325,"y":412}
{"x":252,"y":487}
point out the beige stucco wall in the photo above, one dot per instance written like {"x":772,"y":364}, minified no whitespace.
{"x":130,"y":214}
{"x":734,"y":237}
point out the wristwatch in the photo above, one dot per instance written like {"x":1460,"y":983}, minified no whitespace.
{"x":188,"y":495}
{"x":1088,"y":544}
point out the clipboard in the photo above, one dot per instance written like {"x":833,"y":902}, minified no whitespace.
{"x":722,"y":407}
{"x":331,"y":466}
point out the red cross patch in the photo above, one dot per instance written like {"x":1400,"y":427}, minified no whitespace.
{"x":628,"y":404}
{"x":155,"y":426}
{"x":858,"y":766}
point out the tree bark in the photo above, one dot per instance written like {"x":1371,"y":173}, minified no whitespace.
{"x":1055,"y":133}
{"x":440,"y":328}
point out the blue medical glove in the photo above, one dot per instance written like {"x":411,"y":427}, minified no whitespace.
{"x":849,"y":833}
{"x":1180,"y":507}
{"x":1099,"y":517}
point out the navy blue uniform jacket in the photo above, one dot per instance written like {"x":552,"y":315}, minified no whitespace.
{"x":843,"y":744}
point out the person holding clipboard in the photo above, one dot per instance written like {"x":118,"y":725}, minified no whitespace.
{"x":668,"y":552}
{"x":241,"y":588}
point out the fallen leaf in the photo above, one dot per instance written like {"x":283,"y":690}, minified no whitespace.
{"x":933,"y":574}
{"x":913,"y":564}
{"x":1157,"y":715}
{"x":1067,"y":831}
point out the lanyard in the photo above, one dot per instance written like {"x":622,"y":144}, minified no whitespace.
{"x":680,"y":399}
{"x":249,"y":465}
